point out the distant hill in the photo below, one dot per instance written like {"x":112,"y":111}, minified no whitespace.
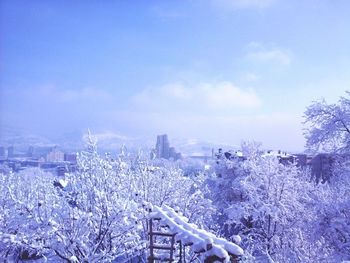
{"x":108,"y":141}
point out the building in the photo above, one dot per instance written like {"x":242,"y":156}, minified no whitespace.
{"x":301,"y":159}
{"x":55,"y":156}
{"x":70,"y":157}
{"x":322,"y":166}
{"x":163,"y":149}
{"x":172,"y":152}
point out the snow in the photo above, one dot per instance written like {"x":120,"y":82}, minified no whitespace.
{"x":64,"y":183}
{"x":237,"y":239}
{"x":201,"y":240}
{"x":74,"y":259}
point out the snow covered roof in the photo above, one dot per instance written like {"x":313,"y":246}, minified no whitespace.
{"x":200,"y":240}
{"x":279,"y":153}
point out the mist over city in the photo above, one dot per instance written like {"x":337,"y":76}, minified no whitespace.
{"x":175,"y":131}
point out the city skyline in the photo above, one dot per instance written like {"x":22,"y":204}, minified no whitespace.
{"x":219,"y":71}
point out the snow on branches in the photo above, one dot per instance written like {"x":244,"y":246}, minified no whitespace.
{"x":200,"y":240}
{"x":328,"y":125}
{"x":94,"y":214}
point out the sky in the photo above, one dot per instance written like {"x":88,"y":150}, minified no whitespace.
{"x":220,"y":71}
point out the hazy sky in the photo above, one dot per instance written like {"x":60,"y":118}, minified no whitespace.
{"x":221,"y":71}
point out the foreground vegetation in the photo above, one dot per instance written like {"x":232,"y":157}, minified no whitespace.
{"x":97,"y":214}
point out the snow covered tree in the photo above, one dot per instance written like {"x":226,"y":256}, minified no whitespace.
{"x":95,"y":214}
{"x":89,"y":216}
{"x":161,"y":182}
{"x":275,"y":209}
{"x":329,"y":130}
{"x":329,"y":125}
{"x":28,"y":201}
{"x":331,"y":226}
{"x":267,"y":203}
{"x":102,"y":216}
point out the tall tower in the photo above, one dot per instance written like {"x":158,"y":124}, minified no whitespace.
{"x":162,"y":147}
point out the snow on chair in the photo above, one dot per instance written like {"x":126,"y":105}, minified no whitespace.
{"x":178,"y":230}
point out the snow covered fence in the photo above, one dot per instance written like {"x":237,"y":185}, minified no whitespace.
{"x":202,"y":242}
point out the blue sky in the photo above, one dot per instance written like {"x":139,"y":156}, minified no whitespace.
{"x":216,"y":70}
